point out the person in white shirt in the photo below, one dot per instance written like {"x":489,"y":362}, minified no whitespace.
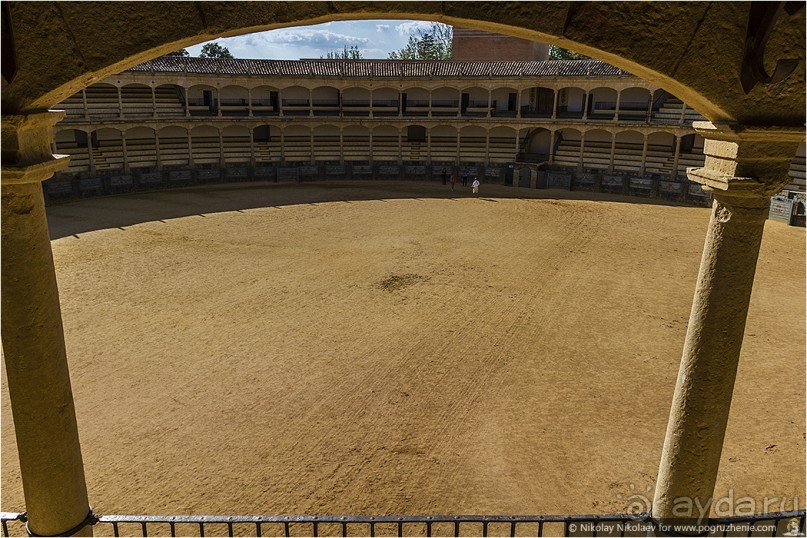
{"x":475,"y":186}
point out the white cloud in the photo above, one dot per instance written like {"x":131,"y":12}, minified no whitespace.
{"x":381,"y":27}
{"x":411,"y":27}
{"x":314,"y":38}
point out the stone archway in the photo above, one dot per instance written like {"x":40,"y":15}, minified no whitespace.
{"x":57,"y":49}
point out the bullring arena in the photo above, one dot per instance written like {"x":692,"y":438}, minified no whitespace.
{"x":396,"y":347}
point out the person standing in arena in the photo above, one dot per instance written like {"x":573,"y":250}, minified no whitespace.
{"x":465,"y":177}
{"x":443,"y":173}
{"x":475,"y":186}
{"x":453,"y":180}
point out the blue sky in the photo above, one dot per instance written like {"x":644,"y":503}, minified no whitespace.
{"x":375,"y":38}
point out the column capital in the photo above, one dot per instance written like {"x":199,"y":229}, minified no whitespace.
{"x":26,"y":147}
{"x":745,"y":162}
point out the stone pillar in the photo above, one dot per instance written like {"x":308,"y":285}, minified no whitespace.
{"x":683,"y":113}
{"x":153,"y":102}
{"x":743,"y":169}
{"x":618,"y":101}
{"x":490,"y":102}
{"x":311,"y":103}
{"x":613,"y":152}
{"x":555,"y":104}
{"x":311,"y":141}
{"x":157,"y":149}
{"x":125,"y":153}
{"x":650,"y":108}
{"x":251,"y":145}
{"x":430,"y":103}
{"x":221,"y":148}
{"x":249,"y":102}
{"x":676,"y":155}
{"x":190,"y":149}
{"x":552,"y":146}
{"x":644,"y":155}
{"x":280,"y":103}
{"x":459,"y":104}
{"x":120,"y":103}
{"x":218,"y":102}
{"x":187,"y":104}
{"x":282,"y":148}
{"x":341,"y":147}
{"x":84,"y":101}
{"x":518,"y":104}
{"x":400,"y":148}
{"x":90,"y":156}
{"x":370,"y":113}
{"x":370,"y":146}
{"x":585,"y":107}
{"x":51,"y":466}
{"x":582,"y":150}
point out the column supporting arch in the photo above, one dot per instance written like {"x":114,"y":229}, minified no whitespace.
{"x":35,"y":357}
{"x":744,"y":167}
{"x":644,"y":154}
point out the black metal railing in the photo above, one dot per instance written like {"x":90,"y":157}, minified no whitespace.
{"x":771,"y":524}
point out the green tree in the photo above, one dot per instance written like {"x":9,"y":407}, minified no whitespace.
{"x":431,"y":44}
{"x":214,"y":50}
{"x":180,"y":52}
{"x":559,"y":53}
{"x":347,"y":53}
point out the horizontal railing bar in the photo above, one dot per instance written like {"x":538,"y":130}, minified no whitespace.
{"x":370,"y":519}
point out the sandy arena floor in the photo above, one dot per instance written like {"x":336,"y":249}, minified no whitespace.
{"x":386,"y":348}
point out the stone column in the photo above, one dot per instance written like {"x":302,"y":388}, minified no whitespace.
{"x":585,"y":107}
{"x":555,"y":104}
{"x":490,"y":102}
{"x":157,"y":150}
{"x":249,"y":101}
{"x":644,"y":155}
{"x":125,"y":153}
{"x":618,"y":101}
{"x":341,"y":147}
{"x":221,"y":148}
{"x":153,"y":102}
{"x":51,"y":466}
{"x":90,"y":156}
{"x":518,"y":104}
{"x":282,"y":148}
{"x":310,"y":103}
{"x":120,"y":103}
{"x":613,"y":152}
{"x":251,"y":145}
{"x":84,"y":101}
{"x":744,"y":167}
{"x":552,"y":146}
{"x":683,"y":113}
{"x":370,"y":146}
{"x":218,"y":102}
{"x":582,"y":150}
{"x":187,"y":105}
{"x":280,"y":103}
{"x":400,"y":148}
{"x":650,"y":108}
{"x":190,"y":149}
{"x":459,"y":104}
{"x":430,"y":103}
{"x":677,"y":154}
